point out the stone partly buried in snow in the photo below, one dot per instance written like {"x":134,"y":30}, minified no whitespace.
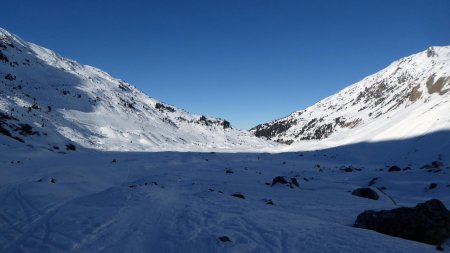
{"x":282,"y":180}
{"x":394,"y":168}
{"x":238,"y":195}
{"x":367,"y":193}
{"x":279,"y":180}
{"x":224,"y":238}
{"x":428,"y":222}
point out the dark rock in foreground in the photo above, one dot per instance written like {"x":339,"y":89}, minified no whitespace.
{"x":428,"y":222}
{"x":367,"y":193}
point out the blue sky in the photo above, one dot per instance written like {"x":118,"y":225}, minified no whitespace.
{"x":246,"y":61}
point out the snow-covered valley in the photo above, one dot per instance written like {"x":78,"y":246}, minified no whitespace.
{"x":88,"y":163}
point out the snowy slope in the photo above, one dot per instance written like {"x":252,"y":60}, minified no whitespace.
{"x":409,"y":98}
{"x":50,"y":101}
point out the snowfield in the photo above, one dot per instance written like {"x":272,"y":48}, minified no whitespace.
{"x":94,"y":201}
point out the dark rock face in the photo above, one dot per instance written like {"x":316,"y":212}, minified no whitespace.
{"x":394,"y":168}
{"x":271,"y":130}
{"x":428,"y":222}
{"x":226,"y":124}
{"x":163,"y":107}
{"x":314,"y":129}
{"x":366,"y":193}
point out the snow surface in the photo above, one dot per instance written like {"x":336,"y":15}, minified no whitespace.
{"x":181,"y":202}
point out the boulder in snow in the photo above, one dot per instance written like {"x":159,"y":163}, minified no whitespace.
{"x":428,"y":222}
{"x":367,"y":193}
{"x":394,"y":168}
{"x":279,"y":180}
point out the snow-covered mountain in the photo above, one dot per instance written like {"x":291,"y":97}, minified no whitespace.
{"x":409,"y":98}
{"x":51,"y":101}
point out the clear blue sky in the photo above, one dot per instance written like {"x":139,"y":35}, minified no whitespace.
{"x":246,"y":61}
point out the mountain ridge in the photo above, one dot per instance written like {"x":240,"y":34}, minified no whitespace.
{"x":399,"y":87}
{"x":51,"y":101}
{"x":48,"y":100}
